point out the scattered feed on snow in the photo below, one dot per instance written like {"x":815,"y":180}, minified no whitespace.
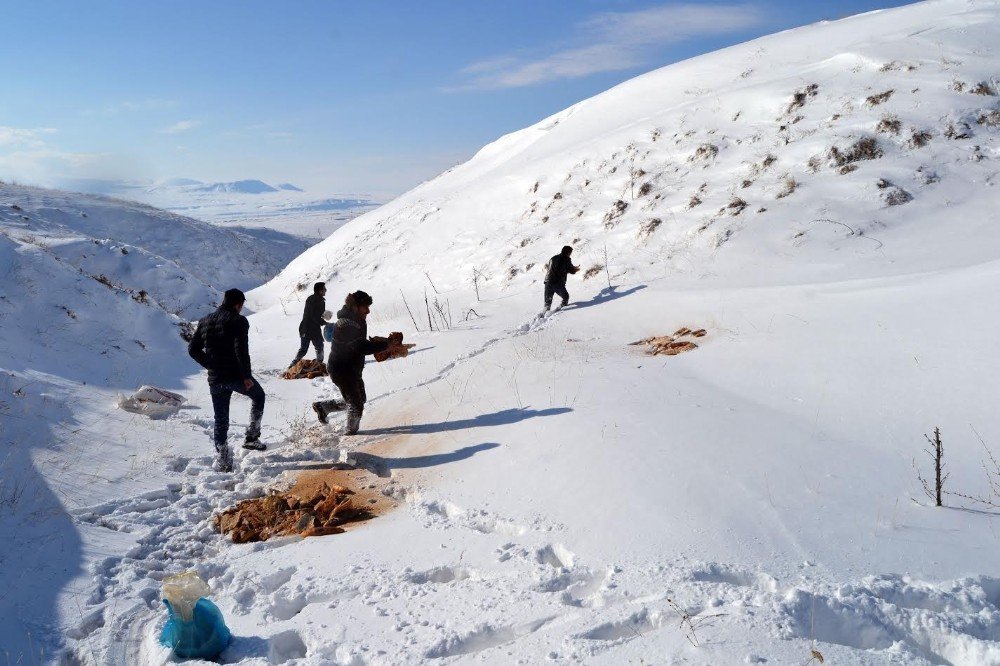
{"x":305,"y":368}
{"x":317,"y":505}
{"x":671,"y":345}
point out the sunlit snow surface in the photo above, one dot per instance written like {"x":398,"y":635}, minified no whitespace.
{"x":562,"y":497}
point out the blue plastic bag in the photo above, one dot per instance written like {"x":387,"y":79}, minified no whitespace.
{"x":328,"y":332}
{"x":205,"y":636}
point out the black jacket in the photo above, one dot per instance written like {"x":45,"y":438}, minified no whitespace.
{"x":312,"y":316}
{"x":558,"y":268}
{"x":220,"y":345}
{"x":351,"y":345}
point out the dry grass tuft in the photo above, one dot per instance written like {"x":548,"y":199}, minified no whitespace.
{"x":983,"y":88}
{"x":866,"y":148}
{"x":889,"y":125}
{"x":875,"y":100}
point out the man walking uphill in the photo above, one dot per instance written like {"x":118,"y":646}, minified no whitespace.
{"x":556,"y":271}
{"x":311,"y":327}
{"x":220,"y":345}
{"x":347,"y":358}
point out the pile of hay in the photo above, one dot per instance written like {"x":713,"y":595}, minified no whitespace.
{"x":319,"y":510}
{"x":670,"y":345}
{"x":305,"y":369}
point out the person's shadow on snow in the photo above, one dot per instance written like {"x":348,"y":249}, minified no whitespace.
{"x":503,"y":417}
{"x":604,"y":296}
{"x":382,"y":466}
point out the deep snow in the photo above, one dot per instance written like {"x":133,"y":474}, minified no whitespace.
{"x":561,"y":497}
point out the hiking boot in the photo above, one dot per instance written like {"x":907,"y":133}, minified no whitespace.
{"x":352,"y":425}
{"x":223,"y":462}
{"x":252,"y":440}
{"x":320,"y":411}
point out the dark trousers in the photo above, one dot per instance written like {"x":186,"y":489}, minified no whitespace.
{"x":553,"y":288}
{"x":221,"y":394}
{"x":352,"y":388}
{"x":316,"y":338}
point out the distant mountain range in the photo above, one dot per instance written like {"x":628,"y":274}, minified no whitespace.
{"x":126,"y":188}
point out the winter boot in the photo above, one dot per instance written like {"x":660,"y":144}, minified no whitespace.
{"x":252,"y":440}
{"x":320,"y":411}
{"x":223,"y":459}
{"x":353,"y":423}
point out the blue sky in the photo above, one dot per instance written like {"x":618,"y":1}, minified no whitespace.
{"x":366,"y":96}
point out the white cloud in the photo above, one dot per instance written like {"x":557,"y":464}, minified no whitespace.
{"x":614,"y":41}
{"x":26,"y":156}
{"x":43,"y":166}
{"x":180,"y":126}
{"x":14,"y":137}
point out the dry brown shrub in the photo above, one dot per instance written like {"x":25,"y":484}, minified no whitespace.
{"x":919,"y":138}
{"x":875,"y":100}
{"x":889,"y":125}
{"x":866,"y":148}
{"x":983,"y":88}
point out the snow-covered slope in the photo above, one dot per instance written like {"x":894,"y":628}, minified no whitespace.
{"x":701,"y":167}
{"x":180,"y":262}
{"x":563,"y":498}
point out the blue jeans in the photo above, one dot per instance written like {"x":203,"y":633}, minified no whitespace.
{"x":221,"y":394}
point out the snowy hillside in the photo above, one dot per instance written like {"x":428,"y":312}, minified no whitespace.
{"x":180,"y":262}
{"x":821,"y":153}
{"x":821,"y":202}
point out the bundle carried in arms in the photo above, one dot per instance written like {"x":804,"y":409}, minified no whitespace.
{"x":396,"y":347}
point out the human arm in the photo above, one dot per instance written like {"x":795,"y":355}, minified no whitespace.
{"x":196,"y":347}
{"x":242,"y":343}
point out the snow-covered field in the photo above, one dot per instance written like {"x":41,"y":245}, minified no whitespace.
{"x":247,"y":205}
{"x":559,"y":496}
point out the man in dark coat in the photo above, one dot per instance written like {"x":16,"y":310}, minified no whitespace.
{"x":220,"y":345}
{"x":347,"y":359}
{"x":556,"y":271}
{"x":311,"y":326}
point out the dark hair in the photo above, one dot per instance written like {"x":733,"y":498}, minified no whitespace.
{"x":233,"y":298}
{"x":358,"y":299}
{"x":318,"y":286}
{"x":567,"y":249}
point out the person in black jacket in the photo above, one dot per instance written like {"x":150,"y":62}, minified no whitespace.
{"x":220,"y":345}
{"x":556,"y":271}
{"x":311,"y":327}
{"x":347,"y":359}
